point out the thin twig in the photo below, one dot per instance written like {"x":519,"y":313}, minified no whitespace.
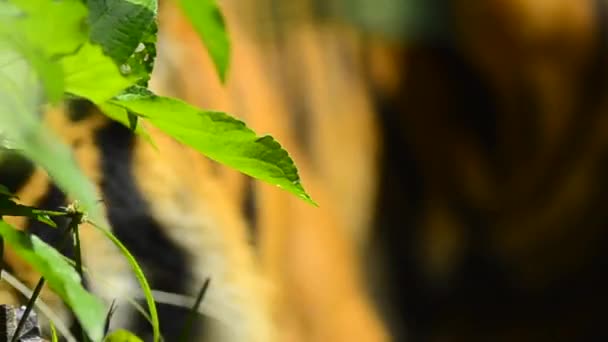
{"x":40,"y":304}
{"x":193,"y":312}
{"x":30,"y":304}
{"x":28,"y":309}
{"x":111,"y":311}
{"x":75,"y":222}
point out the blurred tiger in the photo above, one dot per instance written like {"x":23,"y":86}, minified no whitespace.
{"x":459,"y":172}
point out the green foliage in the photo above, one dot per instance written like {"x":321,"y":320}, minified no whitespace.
{"x":35,"y":23}
{"x":218,"y":136}
{"x":120,"y":25}
{"x":54,"y":337}
{"x":29,"y":30}
{"x":91,"y":74}
{"x":4,"y":192}
{"x":31,"y":73}
{"x":10,"y":208}
{"x":121,"y":336}
{"x":208,"y":22}
{"x":139,"y":274}
{"x":60,"y":276}
{"x":104,"y":51}
{"x":120,"y":114}
{"x":126,"y":30}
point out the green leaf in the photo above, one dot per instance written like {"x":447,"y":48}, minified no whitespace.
{"x":49,"y":73}
{"x":14,"y":51}
{"x":10,"y":208}
{"x":56,"y":158}
{"x":60,"y":276}
{"x":27,"y":31}
{"x":141,"y":278}
{"x":52,"y":27}
{"x":21,"y":97}
{"x":46,"y":219}
{"x":18,"y":64}
{"x":120,"y":25}
{"x":208,"y":22}
{"x":219,"y":137}
{"x":122,"y":336}
{"x":5,"y":192}
{"x":91,"y":74}
{"x":121,"y":115}
{"x":54,"y":337}
{"x":141,"y":62}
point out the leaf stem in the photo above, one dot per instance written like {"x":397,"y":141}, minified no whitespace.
{"x":76,"y":220}
{"x":74,"y":223}
{"x":73,"y":227}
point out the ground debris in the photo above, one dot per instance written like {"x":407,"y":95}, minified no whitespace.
{"x":9,"y":318}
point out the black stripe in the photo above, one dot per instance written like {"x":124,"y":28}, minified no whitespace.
{"x":15,"y":170}
{"x":301,"y":116}
{"x":295,"y":94}
{"x":397,"y":214}
{"x":592,"y":97}
{"x":80,"y":109}
{"x":166,"y":266}
{"x":250,"y":209}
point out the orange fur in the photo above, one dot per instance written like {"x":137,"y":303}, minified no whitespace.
{"x":309,"y":254}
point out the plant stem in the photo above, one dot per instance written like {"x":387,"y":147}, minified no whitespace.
{"x":77,"y":253}
{"x":73,"y":227}
{"x":76,"y":218}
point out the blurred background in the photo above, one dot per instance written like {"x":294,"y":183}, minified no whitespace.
{"x":462,"y":145}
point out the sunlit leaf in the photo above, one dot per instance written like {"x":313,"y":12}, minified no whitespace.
{"x":60,"y":276}
{"x":208,"y":22}
{"x":91,"y":74}
{"x":54,"y":337}
{"x":120,"y":25}
{"x":121,"y":115}
{"x":21,"y":99}
{"x":48,"y":72}
{"x":141,"y":278}
{"x":219,"y":137}
{"x":32,"y":32}
{"x":122,"y":336}
{"x":36,"y":23}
